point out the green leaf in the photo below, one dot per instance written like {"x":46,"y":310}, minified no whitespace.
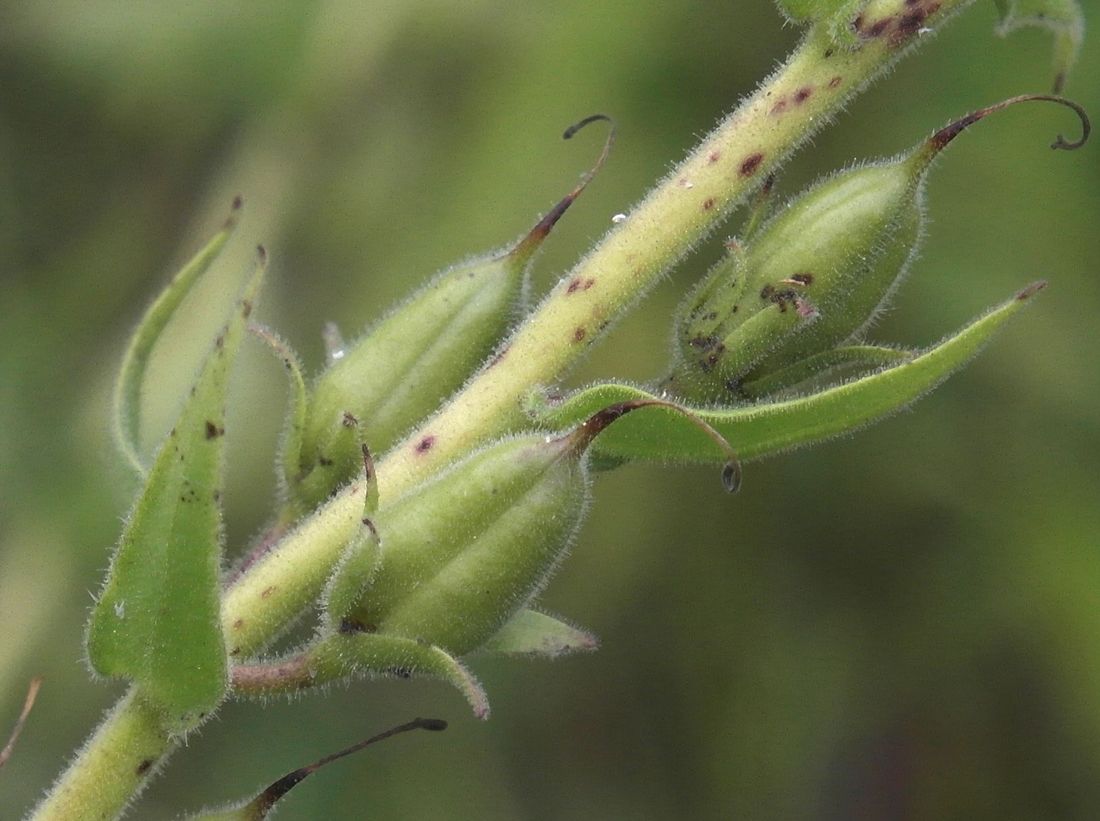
{"x":764,"y":429}
{"x":806,"y":11}
{"x":834,"y":16}
{"x":157,"y":619}
{"x":530,"y":633}
{"x":291,"y":446}
{"x":827,"y":366}
{"x":131,"y":376}
{"x":1063,"y":18}
{"x":342,"y":655}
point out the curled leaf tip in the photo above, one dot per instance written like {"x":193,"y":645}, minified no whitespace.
{"x":731,"y":477}
{"x":234,"y":213}
{"x":583,"y":436}
{"x":938,"y":141}
{"x":530,"y":243}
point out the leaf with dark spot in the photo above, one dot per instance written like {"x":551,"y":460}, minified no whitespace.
{"x":156,"y":621}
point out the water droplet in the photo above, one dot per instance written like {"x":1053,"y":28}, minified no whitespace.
{"x":618,"y":218}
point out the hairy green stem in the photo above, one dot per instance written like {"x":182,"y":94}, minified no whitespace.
{"x":735,"y":158}
{"x":110,"y":771}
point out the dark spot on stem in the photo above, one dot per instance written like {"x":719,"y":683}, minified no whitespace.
{"x":574,"y":285}
{"x":324,"y":461}
{"x":714,"y":157}
{"x":238,"y":624}
{"x":803,"y":94}
{"x":348,"y":420}
{"x":267,"y":591}
{"x":803,"y":278}
{"x":828,"y":53}
{"x":425,"y":444}
{"x":751,"y":163}
{"x":144,"y":766}
{"x":779,"y":107}
{"x":246,"y":308}
{"x":879,"y":27}
{"x":213,"y":431}
{"x":708,"y":203}
{"x":579,"y":334}
{"x":833,"y":83}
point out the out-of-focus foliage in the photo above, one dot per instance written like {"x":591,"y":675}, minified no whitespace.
{"x":900,"y":624}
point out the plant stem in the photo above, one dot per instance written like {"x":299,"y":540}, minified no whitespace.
{"x":791,"y":105}
{"x":689,"y":203}
{"x":126,"y":749}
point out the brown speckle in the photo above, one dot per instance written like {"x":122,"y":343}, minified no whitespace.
{"x":238,"y":624}
{"x":802,"y":278}
{"x":803,"y":94}
{"x":833,"y":83}
{"x":219,"y":341}
{"x":708,"y":203}
{"x":213,"y":431}
{"x":767,"y":291}
{"x":425,"y":444}
{"x":779,"y":107}
{"x":574,"y":285}
{"x":751,"y":163}
{"x":579,"y":334}
{"x":828,"y":53}
{"x":246,"y":308}
{"x":348,"y":420}
{"x":714,"y":157}
{"x":879,"y":27}
{"x":144,"y":766}
{"x":267,"y":591}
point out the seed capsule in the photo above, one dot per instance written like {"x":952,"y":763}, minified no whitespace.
{"x":420,"y":353}
{"x":816,"y":274}
{"x":463,"y":553}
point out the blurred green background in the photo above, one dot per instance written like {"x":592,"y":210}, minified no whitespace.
{"x":904,"y":624}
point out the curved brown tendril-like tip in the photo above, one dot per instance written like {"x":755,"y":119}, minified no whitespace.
{"x":938,"y":141}
{"x":542,"y":228}
{"x":28,"y":705}
{"x":269,"y":797}
{"x":598,"y":422}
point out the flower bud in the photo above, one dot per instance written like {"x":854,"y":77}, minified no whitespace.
{"x":816,"y":274}
{"x":464,"y":552}
{"x":419,"y":354}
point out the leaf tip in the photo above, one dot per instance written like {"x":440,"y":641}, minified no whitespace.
{"x":1031,"y":290}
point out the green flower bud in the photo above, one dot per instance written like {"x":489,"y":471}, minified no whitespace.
{"x":815,"y":275}
{"x":416,"y":356}
{"x":465,"y":552}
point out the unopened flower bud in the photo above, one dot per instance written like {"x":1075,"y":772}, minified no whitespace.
{"x":463,"y":553}
{"x":420,"y":353}
{"x":814,"y":276}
